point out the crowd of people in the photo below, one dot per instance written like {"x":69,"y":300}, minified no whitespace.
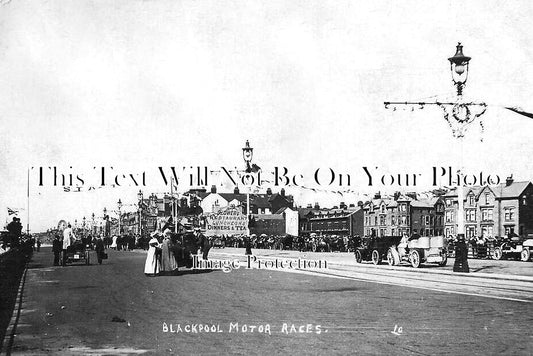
{"x":168,"y":251}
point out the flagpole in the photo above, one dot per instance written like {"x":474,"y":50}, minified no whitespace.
{"x":28,"y":206}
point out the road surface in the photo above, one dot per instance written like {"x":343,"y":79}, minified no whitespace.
{"x":114,"y":308}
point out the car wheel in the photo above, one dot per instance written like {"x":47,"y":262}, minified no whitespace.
{"x":376,"y":258}
{"x":498,"y":253}
{"x":525,"y":255}
{"x":358,"y":256}
{"x":414,"y":258}
{"x":392,"y":257}
{"x":444,"y":260}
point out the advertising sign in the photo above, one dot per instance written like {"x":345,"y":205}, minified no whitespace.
{"x":230,"y":221}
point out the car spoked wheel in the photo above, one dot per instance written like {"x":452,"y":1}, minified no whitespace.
{"x":498,"y":253}
{"x":358,"y":257}
{"x":376,"y":258}
{"x":525,"y":255}
{"x":414,"y":258}
{"x":390,"y":258}
{"x":444,"y":260}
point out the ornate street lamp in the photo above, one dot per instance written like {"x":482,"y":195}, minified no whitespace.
{"x":104,"y":223}
{"x":459,"y":115}
{"x":140,"y":198}
{"x":247,"y":154}
{"x":459,"y":68}
{"x":119,"y":204}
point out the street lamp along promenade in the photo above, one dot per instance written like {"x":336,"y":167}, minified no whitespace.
{"x":104,"y":223}
{"x":140,"y":199}
{"x":119,"y":204}
{"x":247,"y":154}
{"x":459,"y":115}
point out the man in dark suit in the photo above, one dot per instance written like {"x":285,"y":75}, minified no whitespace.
{"x":205,"y":245}
{"x":99,"y":248}
{"x":56,"y":249}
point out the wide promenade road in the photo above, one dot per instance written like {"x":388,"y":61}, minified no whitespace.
{"x":115,"y":309}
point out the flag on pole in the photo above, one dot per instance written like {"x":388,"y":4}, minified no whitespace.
{"x":12,"y":211}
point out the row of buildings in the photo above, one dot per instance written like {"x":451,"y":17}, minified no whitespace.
{"x":489,"y":211}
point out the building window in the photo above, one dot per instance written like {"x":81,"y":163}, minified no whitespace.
{"x":509,"y":214}
{"x":486,"y":198}
{"x":448,"y":202}
{"x":428,"y":220}
{"x":471,"y":199}
{"x":375,"y":220}
{"x":449,"y":216}
{"x":393,"y":220}
{"x":471,"y":215}
{"x":487,"y":231}
{"x":383,"y":208}
{"x":486,"y":214}
{"x":524,"y":200}
{"x":382,"y":220}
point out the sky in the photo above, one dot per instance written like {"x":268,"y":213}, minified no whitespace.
{"x":135,"y":85}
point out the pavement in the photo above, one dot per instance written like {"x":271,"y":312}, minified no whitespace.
{"x":482,"y":268}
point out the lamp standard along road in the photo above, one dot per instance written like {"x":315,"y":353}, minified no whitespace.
{"x":140,"y":197}
{"x":119,"y":203}
{"x":247,"y":154}
{"x":459,"y":114}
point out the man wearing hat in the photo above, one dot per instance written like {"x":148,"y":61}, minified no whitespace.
{"x":205,"y":246}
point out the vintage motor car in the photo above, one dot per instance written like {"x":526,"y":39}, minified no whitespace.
{"x":514,"y":247}
{"x":374,"y":248}
{"x":418,"y":250}
{"x":78,"y":252}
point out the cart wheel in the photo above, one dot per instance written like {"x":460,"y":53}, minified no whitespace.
{"x":392,"y":257}
{"x":358,"y":257}
{"x":87,"y":258}
{"x":376,"y":258}
{"x":498,"y":253}
{"x":414,"y":258}
{"x":444,"y":260}
{"x":525,"y":254}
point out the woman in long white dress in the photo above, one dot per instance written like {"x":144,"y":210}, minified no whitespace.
{"x":151,"y":267}
{"x":114,"y":244}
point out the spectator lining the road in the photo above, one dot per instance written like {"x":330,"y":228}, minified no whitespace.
{"x":152,"y":265}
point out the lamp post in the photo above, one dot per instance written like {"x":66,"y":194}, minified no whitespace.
{"x":104,"y":222}
{"x":119,"y":204}
{"x":140,"y":198}
{"x":247,"y":154}
{"x":93,"y":227}
{"x":83,"y":227}
{"x":459,"y":115}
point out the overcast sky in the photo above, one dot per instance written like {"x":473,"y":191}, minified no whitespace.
{"x":139,"y":84}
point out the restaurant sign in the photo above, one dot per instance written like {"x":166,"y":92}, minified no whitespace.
{"x":229,"y":221}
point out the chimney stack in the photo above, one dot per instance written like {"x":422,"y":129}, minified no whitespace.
{"x":236,"y":190}
{"x":213,"y":189}
{"x":509,"y":181}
